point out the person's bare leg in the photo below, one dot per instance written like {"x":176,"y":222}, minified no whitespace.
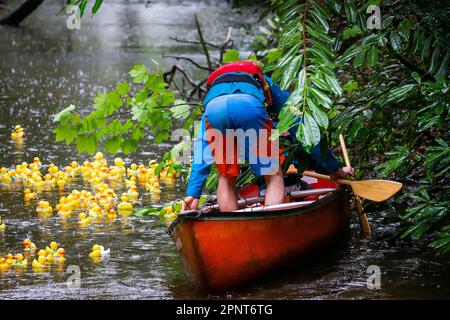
{"x":226,"y":197}
{"x":275,"y":188}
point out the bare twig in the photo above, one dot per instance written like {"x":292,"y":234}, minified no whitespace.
{"x":190,"y":60}
{"x":194,"y":42}
{"x":202,"y":40}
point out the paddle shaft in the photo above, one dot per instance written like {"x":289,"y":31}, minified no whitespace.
{"x":363,"y":221}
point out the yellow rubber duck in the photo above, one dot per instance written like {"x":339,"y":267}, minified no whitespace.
{"x":2,"y":224}
{"x":133,"y":194}
{"x":59,"y":255}
{"x":111,"y":215}
{"x":42,"y":252}
{"x":18,"y":133}
{"x":28,"y":195}
{"x":20,"y":261}
{"x":52,"y":248}
{"x":40,"y":263}
{"x":30,"y":247}
{"x":99,"y":252}
{"x":10,"y":259}
{"x":169,"y":214}
{"x":84,"y":221}
{"x":44,"y":208}
{"x":3,"y":264}
{"x":124,"y":205}
{"x":49,"y":258}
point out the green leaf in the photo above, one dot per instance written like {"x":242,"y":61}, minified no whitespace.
{"x":351,"y":12}
{"x":113,"y":145}
{"x":322,"y":98}
{"x":123,"y":88}
{"x":65,"y":114}
{"x":372,"y":56}
{"x":86,"y":143}
{"x":180,"y":110}
{"x":82,"y":6}
{"x":65,"y":132}
{"x":352,"y":32}
{"x":97,"y":5}
{"x":139,"y":74}
{"x":308,"y":133}
{"x":395,"y":41}
{"x":291,"y":72}
{"x":129,"y":145}
{"x":351,"y":86}
{"x":231,"y":56}
{"x":319,"y":115}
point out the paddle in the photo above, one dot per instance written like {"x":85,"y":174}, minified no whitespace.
{"x":363,"y":221}
{"x":375,"y":190}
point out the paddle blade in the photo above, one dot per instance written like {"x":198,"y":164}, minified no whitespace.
{"x":376,"y":190}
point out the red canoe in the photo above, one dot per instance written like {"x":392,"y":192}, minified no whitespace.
{"x":222,"y":250}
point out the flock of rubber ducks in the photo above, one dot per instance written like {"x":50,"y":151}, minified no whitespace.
{"x":42,"y":259}
{"x":102,"y":201}
{"x":98,"y":204}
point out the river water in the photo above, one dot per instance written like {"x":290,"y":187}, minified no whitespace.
{"x":44,"y":67}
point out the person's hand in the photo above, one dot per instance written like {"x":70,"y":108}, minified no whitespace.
{"x":342,"y":173}
{"x":189,"y":203}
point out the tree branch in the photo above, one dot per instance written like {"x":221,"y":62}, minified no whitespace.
{"x":15,"y":18}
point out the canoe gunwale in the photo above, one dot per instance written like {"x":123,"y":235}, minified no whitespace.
{"x":230,"y":215}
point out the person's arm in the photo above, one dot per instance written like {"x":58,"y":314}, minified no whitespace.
{"x":200,"y":168}
{"x":279,"y":96}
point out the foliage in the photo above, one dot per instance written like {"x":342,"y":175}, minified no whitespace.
{"x":387,"y":90}
{"x":82,"y":5}
{"x":119,"y":118}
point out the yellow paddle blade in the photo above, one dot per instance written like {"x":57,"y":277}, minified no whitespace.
{"x":375,"y":190}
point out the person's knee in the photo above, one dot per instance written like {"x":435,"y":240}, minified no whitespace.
{"x":226,"y":180}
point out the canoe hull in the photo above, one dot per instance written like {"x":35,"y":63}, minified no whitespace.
{"x":223,"y":250}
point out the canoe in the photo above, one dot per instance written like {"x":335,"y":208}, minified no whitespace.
{"x":223,"y":250}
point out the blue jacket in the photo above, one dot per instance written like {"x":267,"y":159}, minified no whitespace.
{"x":203,"y":158}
